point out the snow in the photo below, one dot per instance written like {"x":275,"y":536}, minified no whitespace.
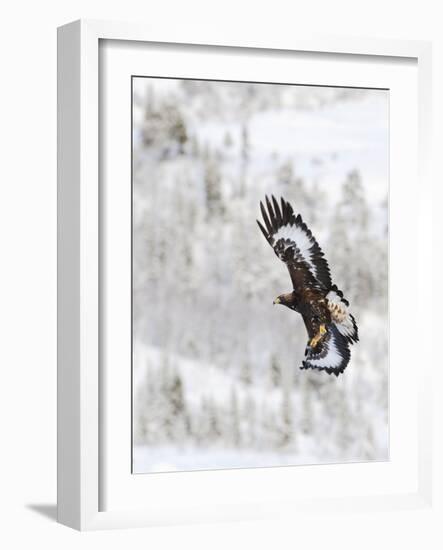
{"x":178,"y":459}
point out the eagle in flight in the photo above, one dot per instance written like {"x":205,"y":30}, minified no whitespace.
{"x":331,"y":327}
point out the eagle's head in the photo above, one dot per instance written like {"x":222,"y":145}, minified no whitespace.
{"x":289,"y":300}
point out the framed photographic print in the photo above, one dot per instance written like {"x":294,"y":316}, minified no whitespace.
{"x":214,"y":380}
{"x":234,"y":217}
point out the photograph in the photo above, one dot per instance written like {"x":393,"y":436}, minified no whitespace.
{"x":260,"y":231}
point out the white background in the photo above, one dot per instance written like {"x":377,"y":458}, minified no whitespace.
{"x":28,"y":275}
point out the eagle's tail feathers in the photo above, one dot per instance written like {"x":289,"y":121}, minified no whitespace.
{"x":331,"y":355}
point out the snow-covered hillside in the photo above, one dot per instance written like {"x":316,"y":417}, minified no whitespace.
{"x":216,"y":377}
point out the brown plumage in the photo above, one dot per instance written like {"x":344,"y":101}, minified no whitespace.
{"x":330,"y":326}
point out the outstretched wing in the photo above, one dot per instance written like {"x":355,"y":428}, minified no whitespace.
{"x":293,"y":242}
{"x":331,"y":354}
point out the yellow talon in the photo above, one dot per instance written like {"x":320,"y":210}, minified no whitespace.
{"x":314,"y":341}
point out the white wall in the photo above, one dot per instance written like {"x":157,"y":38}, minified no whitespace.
{"x":28,"y":275}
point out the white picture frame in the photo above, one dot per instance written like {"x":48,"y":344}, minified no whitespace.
{"x":81,"y":442}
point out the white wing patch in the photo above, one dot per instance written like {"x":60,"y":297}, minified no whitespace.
{"x":300,"y":239}
{"x":292,"y":240}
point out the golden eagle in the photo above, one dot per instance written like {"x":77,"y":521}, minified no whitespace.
{"x":331,"y":327}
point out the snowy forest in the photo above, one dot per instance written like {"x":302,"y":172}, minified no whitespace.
{"x":216,"y":378}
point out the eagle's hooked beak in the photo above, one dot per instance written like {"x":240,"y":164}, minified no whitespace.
{"x":277,"y":301}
